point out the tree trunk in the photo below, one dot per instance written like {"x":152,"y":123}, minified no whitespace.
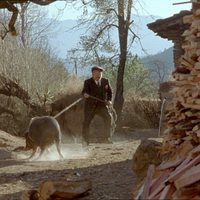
{"x":23,"y":23}
{"x":119,"y":98}
{"x":123,"y":37}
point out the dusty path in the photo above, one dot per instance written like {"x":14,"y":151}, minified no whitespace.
{"x":108,"y":166}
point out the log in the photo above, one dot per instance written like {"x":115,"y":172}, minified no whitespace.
{"x":194,"y":45}
{"x":177,"y":173}
{"x":197,"y":65}
{"x":186,"y":33}
{"x":188,"y":19}
{"x":192,"y":114}
{"x":167,"y":192}
{"x":63,"y":190}
{"x":197,"y":12}
{"x":195,"y":150}
{"x":170,"y":164}
{"x":194,"y":72}
{"x":198,"y":34}
{"x":10,"y":88}
{"x":186,"y":105}
{"x":194,"y":137}
{"x":156,"y":191}
{"x":191,"y":176}
{"x":46,"y":190}
{"x":159,"y":180}
{"x":195,"y":93}
{"x":190,"y":62}
{"x":185,"y":148}
{"x":190,"y":100}
{"x":197,"y":101}
{"x":198,"y":133}
{"x":180,"y":77}
{"x":146,"y":190}
{"x":183,"y":164}
{"x":188,"y":191}
{"x":138,"y":197}
{"x":196,"y":128}
{"x":198,"y":52}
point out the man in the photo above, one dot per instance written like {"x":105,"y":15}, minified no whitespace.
{"x":100,"y":88}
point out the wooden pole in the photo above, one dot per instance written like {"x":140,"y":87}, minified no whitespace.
{"x":182,"y":2}
{"x":68,"y":107}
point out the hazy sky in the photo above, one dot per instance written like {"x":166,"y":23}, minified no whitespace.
{"x":162,"y":8}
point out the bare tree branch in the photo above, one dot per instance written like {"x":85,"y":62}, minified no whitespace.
{"x":12,"y":8}
{"x":112,"y":9}
{"x":101,"y":32}
{"x":4,"y":33}
{"x":134,"y":34}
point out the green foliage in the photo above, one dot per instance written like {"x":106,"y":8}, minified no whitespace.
{"x":136,"y":78}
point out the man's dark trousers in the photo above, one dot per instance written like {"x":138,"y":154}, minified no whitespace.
{"x":89,"y":113}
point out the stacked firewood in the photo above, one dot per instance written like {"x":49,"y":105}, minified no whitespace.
{"x":183,"y":113}
{"x":176,"y":179}
{"x":178,"y":176}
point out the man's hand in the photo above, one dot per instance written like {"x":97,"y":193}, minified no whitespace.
{"x":86,"y":95}
{"x":108,"y":103}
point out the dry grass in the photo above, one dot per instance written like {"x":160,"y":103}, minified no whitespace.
{"x":141,"y":113}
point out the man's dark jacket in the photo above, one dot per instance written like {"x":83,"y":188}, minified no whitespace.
{"x":103,"y":92}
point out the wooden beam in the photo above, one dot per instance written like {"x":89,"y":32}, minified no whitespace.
{"x":182,"y":2}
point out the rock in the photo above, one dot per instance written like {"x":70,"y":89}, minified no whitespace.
{"x":147,"y":153}
{"x":8,"y":141}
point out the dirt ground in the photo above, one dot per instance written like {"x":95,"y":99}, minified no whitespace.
{"x":108,"y":166}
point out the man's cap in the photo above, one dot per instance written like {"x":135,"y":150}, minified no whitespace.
{"x":97,"y":68}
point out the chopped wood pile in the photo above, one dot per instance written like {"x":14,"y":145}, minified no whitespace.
{"x":175,"y":179}
{"x":182,"y":114}
{"x":178,"y":177}
{"x":52,"y":190}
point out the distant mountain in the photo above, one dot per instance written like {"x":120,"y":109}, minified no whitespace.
{"x":63,"y":39}
{"x":160,"y":63}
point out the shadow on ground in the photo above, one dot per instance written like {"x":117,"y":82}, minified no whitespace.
{"x":135,"y":134}
{"x":113,"y":180}
{"x":109,"y":181}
